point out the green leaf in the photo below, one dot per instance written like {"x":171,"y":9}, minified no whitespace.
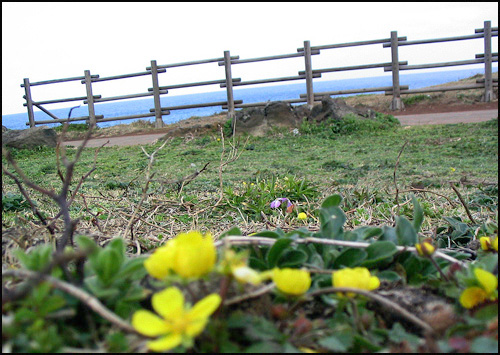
{"x":398,"y":334}
{"x":107,"y":265}
{"x":262,"y":329}
{"x":487,"y":313}
{"x":405,"y":232}
{"x":350,"y":257}
{"x":268,"y":234}
{"x":265,"y":347}
{"x":418,"y":214}
{"x":100,"y":291}
{"x":363,"y":343}
{"x":389,"y":234}
{"x":332,"y":201}
{"x":332,"y":221}
{"x":133,"y":268}
{"x":276,"y":250}
{"x":232,"y":231}
{"x":378,"y":253}
{"x":483,"y":345}
{"x":52,"y":304}
{"x":389,"y":276}
{"x":292,"y":258}
{"x":367,"y":232}
{"x":332,"y":343}
{"x":86,"y":243}
{"x":256,"y":263}
{"x":118,"y":245}
{"x":40,"y":293}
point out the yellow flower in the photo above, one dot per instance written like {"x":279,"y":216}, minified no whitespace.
{"x":302,"y":216}
{"x":359,"y":277}
{"x":452,"y":170}
{"x":292,"y":281}
{"x":489,"y":243}
{"x":425,"y":248}
{"x":177,"y":324}
{"x":236,"y":264}
{"x":244,"y":274}
{"x":472,"y":296}
{"x":160,"y":262}
{"x":190,"y":255}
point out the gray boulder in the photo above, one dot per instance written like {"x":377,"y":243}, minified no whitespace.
{"x":30,"y":138}
{"x":338,"y":109}
{"x":259,"y":120}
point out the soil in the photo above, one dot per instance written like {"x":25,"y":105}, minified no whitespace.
{"x":437,"y":102}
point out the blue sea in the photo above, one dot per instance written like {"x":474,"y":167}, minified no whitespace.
{"x":248,"y":95}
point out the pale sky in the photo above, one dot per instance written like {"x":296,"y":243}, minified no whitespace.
{"x":43,"y":41}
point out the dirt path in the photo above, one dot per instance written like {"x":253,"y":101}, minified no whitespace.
{"x":406,"y":119}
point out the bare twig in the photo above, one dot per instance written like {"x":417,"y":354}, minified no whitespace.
{"x":149,"y":176}
{"x":463,"y":203}
{"x":250,"y":295}
{"x":182,"y":181}
{"x":432,"y":192}
{"x":92,"y":302}
{"x":256,"y":240}
{"x":60,"y":198}
{"x":37,"y":213}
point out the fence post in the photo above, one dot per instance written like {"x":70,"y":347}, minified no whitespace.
{"x":396,"y":103}
{"x":90,"y":99}
{"x":29,"y":102}
{"x":229,"y":87}
{"x":156,"y":92}
{"x":489,"y":95}
{"x":309,"y":78}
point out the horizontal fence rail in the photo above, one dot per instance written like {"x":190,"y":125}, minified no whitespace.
{"x":308,"y":74}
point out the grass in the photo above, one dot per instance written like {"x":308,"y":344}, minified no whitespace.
{"x":364,"y":162}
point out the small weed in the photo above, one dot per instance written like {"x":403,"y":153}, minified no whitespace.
{"x":73,"y":127}
{"x":413,"y":99}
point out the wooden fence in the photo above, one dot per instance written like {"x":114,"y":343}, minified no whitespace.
{"x":394,"y":66}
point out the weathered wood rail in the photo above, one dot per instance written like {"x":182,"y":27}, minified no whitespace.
{"x":308,"y":74}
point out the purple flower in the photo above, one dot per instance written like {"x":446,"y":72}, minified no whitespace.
{"x":276,"y":203}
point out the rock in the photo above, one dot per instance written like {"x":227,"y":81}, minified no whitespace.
{"x":4,"y":129}
{"x":258,"y":121}
{"x":338,"y":109}
{"x":30,"y":138}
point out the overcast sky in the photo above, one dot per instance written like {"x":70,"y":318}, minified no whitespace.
{"x":43,"y":41}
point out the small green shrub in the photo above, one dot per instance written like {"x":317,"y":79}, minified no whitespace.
{"x":348,"y":125}
{"x":411,"y":100}
{"x":14,"y":202}
{"x":73,"y":127}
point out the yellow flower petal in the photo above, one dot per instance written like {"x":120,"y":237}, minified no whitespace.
{"x":495,"y":243}
{"x":302,"y":216}
{"x":205,"y":307}
{"x":149,"y":324}
{"x":358,"y":277}
{"x":159,"y":263}
{"x":165,"y":343}
{"x":169,"y":303}
{"x":488,"y":281}
{"x":472,"y":296}
{"x":485,"y":243}
{"x":196,"y":327}
{"x":195,"y":255}
{"x":244,"y":274}
{"x":374,"y":283}
{"x":292,"y":281}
